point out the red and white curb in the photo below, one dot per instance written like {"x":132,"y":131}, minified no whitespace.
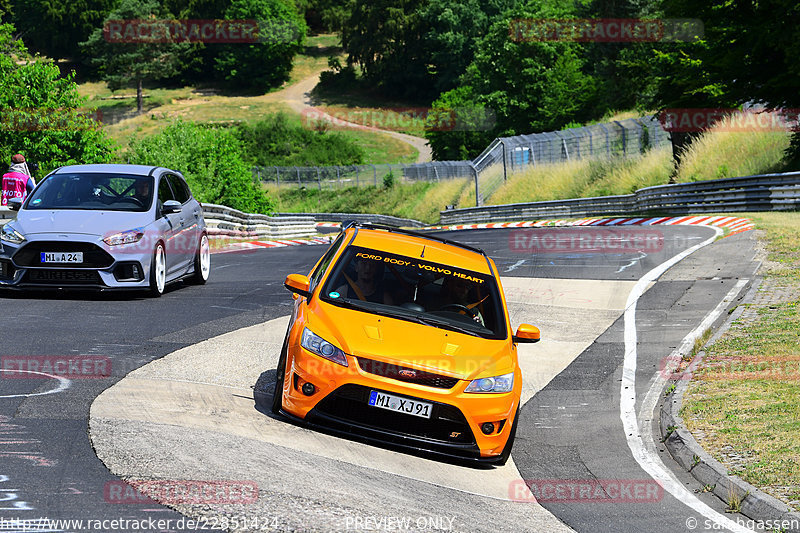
{"x":260,"y":245}
{"x":734,"y":224}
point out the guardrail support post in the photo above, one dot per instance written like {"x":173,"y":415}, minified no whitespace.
{"x":477,"y":190}
{"x":505,"y":172}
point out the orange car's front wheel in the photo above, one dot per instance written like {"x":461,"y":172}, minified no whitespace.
{"x":280,"y":373}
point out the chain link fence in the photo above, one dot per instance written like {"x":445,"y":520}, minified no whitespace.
{"x":504,"y":156}
{"x":337,"y":177}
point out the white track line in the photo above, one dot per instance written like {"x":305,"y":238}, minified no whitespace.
{"x":63,"y":384}
{"x":650,"y":462}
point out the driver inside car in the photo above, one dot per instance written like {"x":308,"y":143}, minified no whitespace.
{"x":142,"y":191}
{"x":368,"y":284}
{"x":458,"y":295}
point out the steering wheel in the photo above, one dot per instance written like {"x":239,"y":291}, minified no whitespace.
{"x":459,"y":307}
{"x":132,"y":199}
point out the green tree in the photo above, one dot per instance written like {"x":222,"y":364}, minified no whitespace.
{"x":326,"y":15}
{"x":267,"y":63}
{"x":450,"y":33}
{"x":748,"y":54}
{"x":382,"y":37}
{"x":122,"y":63}
{"x":450,"y":140}
{"x":210,"y":159}
{"x":56,"y":27}
{"x":40,"y":112}
{"x":416,"y":49}
{"x":529,"y":85}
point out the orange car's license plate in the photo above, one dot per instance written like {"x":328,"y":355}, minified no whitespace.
{"x":400,"y":405}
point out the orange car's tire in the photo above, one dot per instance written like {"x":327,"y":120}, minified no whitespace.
{"x":503,"y":458}
{"x":280,"y":375}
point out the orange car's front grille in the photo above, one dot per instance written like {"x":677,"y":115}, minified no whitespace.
{"x":405,"y":374}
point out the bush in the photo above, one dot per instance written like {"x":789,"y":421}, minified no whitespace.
{"x":210,"y":159}
{"x":275,"y":141}
{"x":40,"y":116}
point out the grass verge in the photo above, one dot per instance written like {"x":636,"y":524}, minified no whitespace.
{"x":743,"y":404}
{"x":419,"y":201}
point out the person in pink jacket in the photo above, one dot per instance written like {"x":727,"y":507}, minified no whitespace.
{"x":17,"y":182}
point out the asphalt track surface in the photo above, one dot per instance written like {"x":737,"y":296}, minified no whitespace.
{"x":570,"y":430}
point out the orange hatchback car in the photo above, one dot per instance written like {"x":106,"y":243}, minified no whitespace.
{"x":403,"y":338}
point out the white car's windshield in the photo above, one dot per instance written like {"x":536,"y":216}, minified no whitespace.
{"x":95,"y":191}
{"x":417,"y":290}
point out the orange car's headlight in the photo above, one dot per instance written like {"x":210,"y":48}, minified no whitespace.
{"x":496,"y":384}
{"x":319,"y":346}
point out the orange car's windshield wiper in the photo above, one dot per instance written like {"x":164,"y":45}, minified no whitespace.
{"x":420,"y":319}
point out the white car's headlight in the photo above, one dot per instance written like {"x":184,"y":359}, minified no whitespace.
{"x":124,"y":237}
{"x":319,"y":346}
{"x":10,"y":234}
{"x":496,"y":384}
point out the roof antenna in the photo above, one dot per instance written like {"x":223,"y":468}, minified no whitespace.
{"x":423,"y":251}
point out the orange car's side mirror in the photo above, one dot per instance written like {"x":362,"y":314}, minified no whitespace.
{"x":298,"y":284}
{"x":527,"y":333}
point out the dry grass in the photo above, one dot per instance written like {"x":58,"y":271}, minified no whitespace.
{"x":743,"y":404}
{"x":722,"y":153}
{"x":444,"y":193}
{"x":586,"y":178}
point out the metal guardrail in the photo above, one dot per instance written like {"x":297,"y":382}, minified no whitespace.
{"x":358,"y":217}
{"x":768,"y":192}
{"x":227,"y":222}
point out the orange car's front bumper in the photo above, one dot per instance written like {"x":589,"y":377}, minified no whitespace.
{"x":340,"y":402}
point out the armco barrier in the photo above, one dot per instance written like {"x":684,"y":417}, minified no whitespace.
{"x":224,"y":221}
{"x":228,"y":222}
{"x":768,"y":192}
{"x":358,"y":217}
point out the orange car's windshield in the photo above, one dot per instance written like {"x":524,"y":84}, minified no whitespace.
{"x":417,"y":290}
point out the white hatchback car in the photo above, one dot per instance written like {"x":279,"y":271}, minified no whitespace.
{"x":106,"y":227}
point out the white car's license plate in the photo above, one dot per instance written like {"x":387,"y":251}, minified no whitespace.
{"x":62,"y":257}
{"x":400,"y":405}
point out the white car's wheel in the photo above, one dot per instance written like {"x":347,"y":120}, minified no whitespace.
{"x":158,"y":271}
{"x":202,"y":261}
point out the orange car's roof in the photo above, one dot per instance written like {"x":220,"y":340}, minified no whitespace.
{"x":411,"y":246}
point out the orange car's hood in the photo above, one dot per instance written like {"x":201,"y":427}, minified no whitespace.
{"x":409,"y":344}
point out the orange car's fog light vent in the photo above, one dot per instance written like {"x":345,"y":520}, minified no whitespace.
{"x":304,"y":386}
{"x":492,"y":427}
